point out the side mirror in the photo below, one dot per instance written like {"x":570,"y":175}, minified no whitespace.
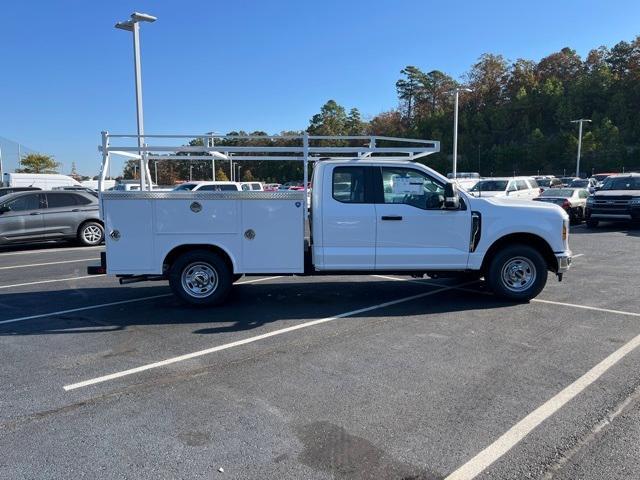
{"x":4,"y":209}
{"x":596,"y":188}
{"x":451,"y":197}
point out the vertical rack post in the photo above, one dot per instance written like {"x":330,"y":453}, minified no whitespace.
{"x":305,"y":167}
{"x":105,"y":160}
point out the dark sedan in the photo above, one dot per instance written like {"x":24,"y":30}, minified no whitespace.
{"x":38,"y":216}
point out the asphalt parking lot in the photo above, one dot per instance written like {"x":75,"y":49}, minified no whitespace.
{"x":325,"y":377}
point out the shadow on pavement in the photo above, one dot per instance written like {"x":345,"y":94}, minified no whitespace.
{"x":249,"y":307}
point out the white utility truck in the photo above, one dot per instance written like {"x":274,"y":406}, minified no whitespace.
{"x":373,"y":209}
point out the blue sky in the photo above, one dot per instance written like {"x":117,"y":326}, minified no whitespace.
{"x":66,"y":73}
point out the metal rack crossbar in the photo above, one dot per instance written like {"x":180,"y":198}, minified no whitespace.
{"x":306,"y":148}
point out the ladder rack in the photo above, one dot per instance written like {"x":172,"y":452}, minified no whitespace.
{"x":234,"y":148}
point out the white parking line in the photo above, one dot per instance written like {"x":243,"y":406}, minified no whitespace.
{"x":47,"y":250}
{"x":39,"y":282}
{"x":511,"y":437}
{"x":50,"y":263}
{"x":245,"y":341}
{"x":110,"y":304}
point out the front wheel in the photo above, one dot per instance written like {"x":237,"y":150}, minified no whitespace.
{"x":517,"y":273}
{"x":200,"y":278}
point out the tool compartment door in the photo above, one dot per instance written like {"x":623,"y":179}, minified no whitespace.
{"x":272,"y":236}
{"x":129,"y":236}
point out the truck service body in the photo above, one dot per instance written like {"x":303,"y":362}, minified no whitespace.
{"x":369,"y":213}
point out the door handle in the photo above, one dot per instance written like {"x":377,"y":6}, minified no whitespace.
{"x":391,"y":217}
{"x":75,"y":210}
{"x":35,"y":213}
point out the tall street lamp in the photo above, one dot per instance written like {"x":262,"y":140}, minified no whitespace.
{"x":455,"y":129}
{"x":579,"y":122}
{"x":132,"y":26}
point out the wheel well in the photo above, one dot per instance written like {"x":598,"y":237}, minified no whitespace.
{"x":177,"y":251}
{"x":529,"y":239}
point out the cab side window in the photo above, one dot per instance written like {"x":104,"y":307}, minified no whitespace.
{"x":61,"y":200}
{"x":24,"y":203}
{"x":522,"y":185}
{"x":348,"y":184}
{"x":411,"y":187}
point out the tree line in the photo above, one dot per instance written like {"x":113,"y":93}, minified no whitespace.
{"x":516,"y":119}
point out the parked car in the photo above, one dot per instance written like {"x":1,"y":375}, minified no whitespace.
{"x":572,"y":200}
{"x":208,"y":187}
{"x":552,"y":182}
{"x":588,"y":183}
{"x":566,"y":181}
{"x":600,"y":177}
{"x":617,"y":200}
{"x":37,"y":216}
{"x":7,"y":190}
{"x":465,"y":180}
{"x":271,"y":187}
{"x":515,"y":187}
{"x":78,"y":189}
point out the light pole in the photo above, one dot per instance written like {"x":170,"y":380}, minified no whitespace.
{"x":190,"y":173}
{"x":455,"y":129}
{"x":132,"y":26}
{"x":579,"y":122}
{"x":210,"y":143}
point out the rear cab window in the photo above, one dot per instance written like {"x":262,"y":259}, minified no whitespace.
{"x":348,"y":184}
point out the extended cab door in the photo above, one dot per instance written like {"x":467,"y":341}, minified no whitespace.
{"x":414,"y":231}
{"x":348,"y":219}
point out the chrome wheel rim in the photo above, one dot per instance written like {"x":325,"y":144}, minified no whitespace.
{"x":199,"y":280}
{"x":92,"y":234}
{"x":518,"y":274}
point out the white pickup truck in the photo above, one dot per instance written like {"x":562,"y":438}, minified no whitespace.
{"x":372,"y":212}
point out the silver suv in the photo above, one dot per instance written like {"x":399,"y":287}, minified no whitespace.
{"x":50,"y":215}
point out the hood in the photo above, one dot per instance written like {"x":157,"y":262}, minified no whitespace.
{"x":617,"y":193}
{"x":517,"y":204}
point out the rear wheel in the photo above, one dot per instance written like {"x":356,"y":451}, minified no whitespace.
{"x":518,"y":272}
{"x":200,"y":278}
{"x":91,"y":234}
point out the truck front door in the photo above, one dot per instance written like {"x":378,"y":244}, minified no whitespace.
{"x":413,"y":229}
{"x":348,"y":219}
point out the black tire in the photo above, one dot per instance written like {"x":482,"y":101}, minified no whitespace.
{"x":592,"y":223}
{"x":517,"y":272}
{"x":91,"y":234}
{"x":200,"y":278}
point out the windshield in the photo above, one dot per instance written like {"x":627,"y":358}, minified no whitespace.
{"x":558,"y":192}
{"x":545,"y":182}
{"x":600,"y":177}
{"x":184,"y":186}
{"x":490,"y":186}
{"x":621,"y":183}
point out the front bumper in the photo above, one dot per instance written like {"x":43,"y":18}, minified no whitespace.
{"x":564,"y":262}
